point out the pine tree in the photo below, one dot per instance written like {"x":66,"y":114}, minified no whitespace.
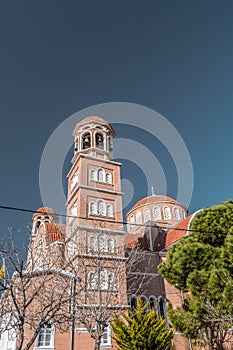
{"x":140,"y":330}
{"x":201,"y":266}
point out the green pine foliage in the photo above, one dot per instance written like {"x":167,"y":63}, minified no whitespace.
{"x":201,"y":264}
{"x":139,"y":330}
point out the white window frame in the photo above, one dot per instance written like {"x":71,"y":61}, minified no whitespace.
{"x":157,"y":211}
{"x":176,"y":213}
{"x":108,"y":178}
{"x":147,"y":216}
{"x":138,"y":217}
{"x":107,"y":333}
{"x":43,"y":346}
{"x":166,"y":213}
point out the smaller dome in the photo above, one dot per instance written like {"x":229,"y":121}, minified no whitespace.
{"x":96,"y":119}
{"x":44,"y":210}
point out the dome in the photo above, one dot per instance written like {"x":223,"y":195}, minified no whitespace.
{"x":155,"y":199}
{"x":44,"y":210}
{"x":96,"y":119}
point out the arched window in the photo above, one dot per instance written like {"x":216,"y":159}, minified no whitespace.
{"x":92,"y":208}
{"x":110,"y":244}
{"x":86,"y":141}
{"x":146,"y":215}
{"x":92,"y":280}
{"x":71,"y":249}
{"x":156,"y":213}
{"x":102,"y":244}
{"x":109,"y":210}
{"x":37,"y":225}
{"x":101,"y":208}
{"x":131,"y":220}
{"x":133,"y":301}
{"x":74,"y":181}
{"x":100,"y":175}
{"x":176,"y":213}
{"x":106,"y":338}
{"x":108,"y":178}
{"x":138,"y":217}
{"x":166,"y":213}
{"x":45,"y":337}
{"x":144,"y":301}
{"x":111,"y":281}
{"x":103,"y":280}
{"x":161,"y":307}
{"x":73,"y":210}
{"x":93,"y":244}
{"x":99,"y":140}
{"x":152,"y":302}
{"x":183,"y":214}
{"x":92,"y":175}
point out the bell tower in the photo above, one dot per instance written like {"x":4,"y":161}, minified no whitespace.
{"x":94,"y":188}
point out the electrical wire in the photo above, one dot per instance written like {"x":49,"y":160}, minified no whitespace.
{"x":110,"y":221}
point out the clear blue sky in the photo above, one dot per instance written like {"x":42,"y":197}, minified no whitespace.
{"x":58,"y":57}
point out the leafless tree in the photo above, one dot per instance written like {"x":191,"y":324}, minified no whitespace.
{"x":35,"y":294}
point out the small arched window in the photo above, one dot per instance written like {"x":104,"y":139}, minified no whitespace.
{"x":86,"y":141}
{"x":111,"y":281}
{"x":102,"y":244}
{"x":176,"y":213}
{"x":156,"y":213}
{"x":92,"y":280}
{"x":138,"y":217}
{"x":74,"y":181}
{"x":133,"y":302}
{"x":92,"y":175}
{"x":45,"y":337}
{"x":183,"y":214}
{"x":92,"y":208}
{"x":131,"y":220}
{"x":146,"y":215}
{"x":99,"y":140}
{"x":110,"y":244}
{"x":92,"y":244}
{"x":101,"y":208}
{"x":109,"y":210}
{"x":73,"y":210}
{"x":152,"y":302}
{"x":166,"y":213}
{"x":108,"y":178}
{"x":100,"y":175}
{"x":161,"y":307}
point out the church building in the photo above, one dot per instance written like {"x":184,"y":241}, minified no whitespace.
{"x":94,"y":232}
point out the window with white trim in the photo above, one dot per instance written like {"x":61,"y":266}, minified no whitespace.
{"x":166,"y":213}
{"x":100,"y":175}
{"x":183,"y":214}
{"x":138,"y":217}
{"x":92,"y":208}
{"x":73,"y":212}
{"x":146,"y":215}
{"x":92,"y":175}
{"x":71,"y":249}
{"x":110,"y":245}
{"x":106,"y":338}
{"x":108,"y":178}
{"x":109,"y":210}
{"x":74,"y":181}
{"x":101,"y":208}
{"x":131,"y":220}
{"x":92,"y":280}
{"x":156,"y":213}
{"x":176,"y":213}
{"x":45,"y":338}
{"x":92,"y":245}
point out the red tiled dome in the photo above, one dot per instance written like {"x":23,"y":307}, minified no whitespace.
{"x":44,"y":210}
{"x":97,"y":119}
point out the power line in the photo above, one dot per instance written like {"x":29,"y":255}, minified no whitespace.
{"x":106,"y":220}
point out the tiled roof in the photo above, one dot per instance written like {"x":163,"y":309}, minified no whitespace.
{"x":155,"y":198}
{"x":54,"y":232}
{"x":174,"y":235}
{"x":95,"y":118}
{"x":44,"y":210}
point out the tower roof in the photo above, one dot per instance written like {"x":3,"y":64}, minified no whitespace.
{"x":44,"y":210}
{"x":96,"y":119}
